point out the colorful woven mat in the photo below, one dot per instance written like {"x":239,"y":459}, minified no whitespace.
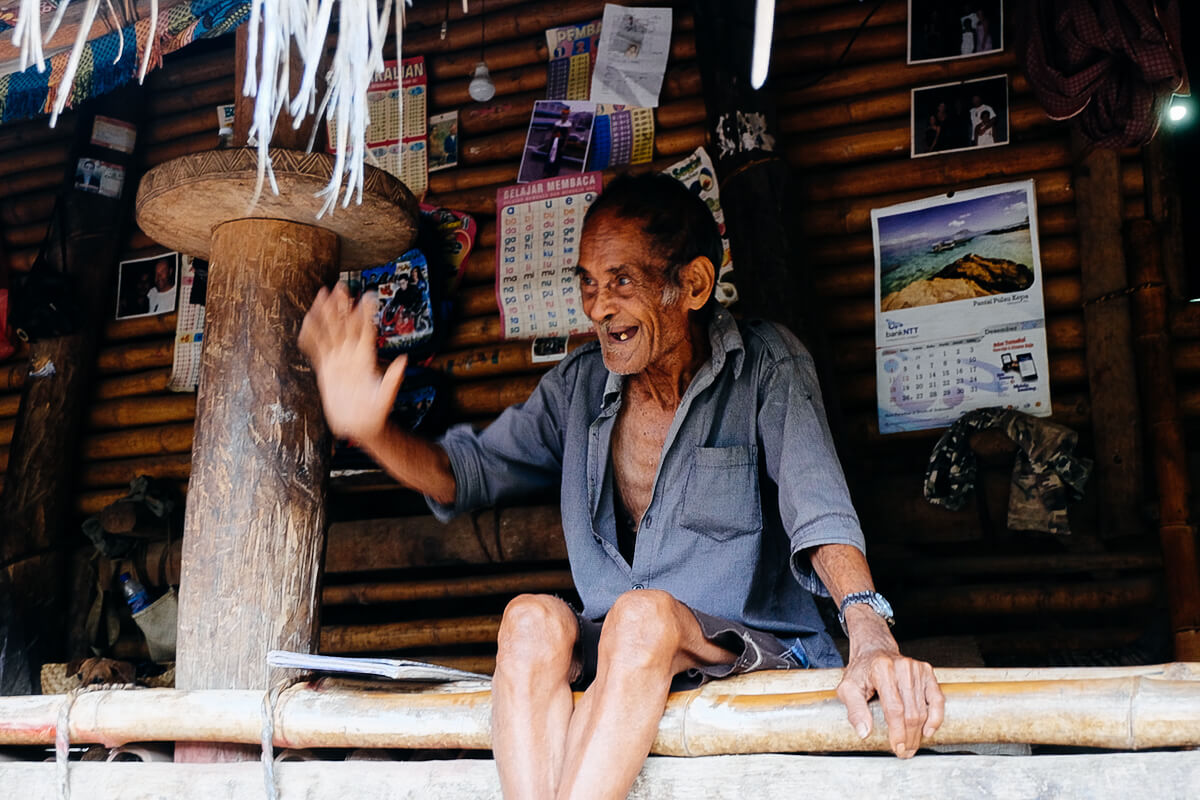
{"x":29,"y":93}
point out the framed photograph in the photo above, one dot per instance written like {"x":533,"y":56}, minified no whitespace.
{"x":560,"y":133}
{"x":941,"y":30}
{"x":147,"y":286}
{"x":966,"y":115}
{"x":443,"y":140}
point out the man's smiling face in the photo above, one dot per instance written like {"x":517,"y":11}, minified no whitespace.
{"x":638,"y":315}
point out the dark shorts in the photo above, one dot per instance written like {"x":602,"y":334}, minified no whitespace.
{"x":756,"y":650}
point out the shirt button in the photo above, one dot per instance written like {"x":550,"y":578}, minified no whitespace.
{"x":638,"y":586}
{"x":646,"y":520}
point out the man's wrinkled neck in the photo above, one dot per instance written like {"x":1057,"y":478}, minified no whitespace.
{"x":665,"y":381}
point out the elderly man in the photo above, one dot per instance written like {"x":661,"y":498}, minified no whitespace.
{"x":702,"y":505}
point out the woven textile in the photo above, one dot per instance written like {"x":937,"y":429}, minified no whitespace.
{"x":29,"y":93}
{"x":1113,"y":62}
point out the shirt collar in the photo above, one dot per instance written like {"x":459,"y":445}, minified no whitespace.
{"x":725,"y":342}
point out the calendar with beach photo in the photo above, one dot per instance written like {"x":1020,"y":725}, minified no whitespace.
{"x":960,"y":321}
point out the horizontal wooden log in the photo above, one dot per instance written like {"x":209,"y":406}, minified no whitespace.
{"x":129,"y":412}
{"x":948,"y":172}
{"x":382,"y":637}
{"x":136,"y":356}
{"x":195,"y":120}
{"x":1109,"y":776}
{"x":209,"y":94}
{"x":17,"y":135}
{"x":790,"y":56}
{"x":740,"y":715}
{"x":160,"y":325}
{"x":102,"y":474}
{"x":476,"y":331}
{"x":834,"y":18}
{"x":8,"y":426}
{"x":189,"y":69}
{"x":133,"y":384}
{"x":51,"y":154}
{"x":545,"y":581}
{"x":35,"y":180}
{"x":910,"y":565}
{"x":1000,"y":599}
{"x":17,"y":237}
{"x":9,"y":404}
{"x":490,"y":397}
{"x":147,"y":441}
{"x":865,"y":79}
{"x":13,"y":376}
{"x":27,"y":208}
{"x":3,"y":460}
{"x":508,"y":358}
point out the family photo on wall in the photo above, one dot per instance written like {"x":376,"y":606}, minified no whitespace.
{"x":147,"y":286}
{"x":940,"y":30}
{"x":960,"y":116}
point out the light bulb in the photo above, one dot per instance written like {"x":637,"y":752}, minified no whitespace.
{"x":481,"y":87}
{"x":1178,"y":112}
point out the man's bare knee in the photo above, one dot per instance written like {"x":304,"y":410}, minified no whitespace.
{"x":537,"y":631}
{"x":642,"y":629}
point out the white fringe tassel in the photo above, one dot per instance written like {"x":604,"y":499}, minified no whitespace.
{"x":274,"y":25}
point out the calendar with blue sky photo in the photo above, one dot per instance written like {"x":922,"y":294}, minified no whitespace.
{"x":959,"y":313}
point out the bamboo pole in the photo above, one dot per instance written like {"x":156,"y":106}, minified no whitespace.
{"x":475,"y":331}
{"x":32,"y":180}
{"x":52,"y":154}
{"x":202,"y":95}
{"x":7,"y":427}
{"x":908,"y":565}
{"x":794,"y":55}
{"x":138,"y":327}
{"x":193,"y":70}
{"x":13,"y":376}
{"x":553,"y":581}
{"x":162,"y":152}
{"x":194,"y":121}
{"x":1128,"y":712}
{"x":404,"y":635}
{"x":27,"y":208}
{"x":9,"y":405}
{"x":15,"y":135}
{"x":837,"y":19}
{"x":1008,"y":599}
{"x":1166,"y":437}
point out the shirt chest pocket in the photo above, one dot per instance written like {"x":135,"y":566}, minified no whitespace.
{"x":720,"y":499}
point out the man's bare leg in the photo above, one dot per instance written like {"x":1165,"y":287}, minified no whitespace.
{"x":531,"y":695}
{"x":648,"y":637}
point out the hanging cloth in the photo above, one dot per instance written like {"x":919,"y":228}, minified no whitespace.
{"x":1114,"y":63}
{"x":1046,"y":474}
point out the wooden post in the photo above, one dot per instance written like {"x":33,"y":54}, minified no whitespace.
{"x":1116,"y":428}
{"x":1166,"y":438}
{"x":36,"y":514}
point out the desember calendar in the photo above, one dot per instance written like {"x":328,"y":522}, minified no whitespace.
{"x":960,"y":322}
{"x":537,"y":230}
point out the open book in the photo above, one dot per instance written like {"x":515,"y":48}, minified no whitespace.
{"x":396,"y":669}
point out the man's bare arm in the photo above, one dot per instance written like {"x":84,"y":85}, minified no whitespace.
{"x":338,"y":336}
{"x":913,"y":705}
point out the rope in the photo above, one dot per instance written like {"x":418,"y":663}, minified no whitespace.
{"x":270,"y":699}
{"x":62,"y":732}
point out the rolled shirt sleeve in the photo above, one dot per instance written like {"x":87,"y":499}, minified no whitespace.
{"x":798,"y":453}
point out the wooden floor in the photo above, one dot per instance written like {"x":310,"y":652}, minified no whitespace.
{"x":1160,"y":775}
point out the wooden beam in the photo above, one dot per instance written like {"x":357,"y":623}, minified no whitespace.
{"x":1108,"y":776}
{"x":1112,"y":374}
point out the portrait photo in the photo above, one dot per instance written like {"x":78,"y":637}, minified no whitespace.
{"x":560,"y":132}
{"x":147,"y":286}
{"x":964,"y":115}
{"x":940,"y":30}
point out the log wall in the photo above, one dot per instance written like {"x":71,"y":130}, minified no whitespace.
{"x":394,"y":584}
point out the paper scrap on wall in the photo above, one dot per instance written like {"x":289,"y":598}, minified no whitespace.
{"x":696,"y":172}
{"x":189,"y":326}
{"x":634,"y":46}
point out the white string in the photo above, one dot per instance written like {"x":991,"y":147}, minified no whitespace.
{"x":63,"y":91}
{"x":116,"y":23}
{"x":150,"y":41}
{"x":27,"y":33}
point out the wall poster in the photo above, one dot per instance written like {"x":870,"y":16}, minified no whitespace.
{"x":960,"y":321}
{"x":537,"y":248}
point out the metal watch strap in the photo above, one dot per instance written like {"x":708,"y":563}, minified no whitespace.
{"x":875,"y":600}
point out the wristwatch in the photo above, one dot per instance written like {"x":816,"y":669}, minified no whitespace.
{"x":875,"y":600}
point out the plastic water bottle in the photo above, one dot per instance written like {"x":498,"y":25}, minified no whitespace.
{"x":135,"y":594}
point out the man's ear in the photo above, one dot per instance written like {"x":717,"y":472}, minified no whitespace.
{"x":697,"y":277}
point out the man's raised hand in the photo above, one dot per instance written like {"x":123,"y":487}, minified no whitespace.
{"x":339,"y":336}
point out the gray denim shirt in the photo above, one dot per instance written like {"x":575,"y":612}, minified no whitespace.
{"x":748,"y":480}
